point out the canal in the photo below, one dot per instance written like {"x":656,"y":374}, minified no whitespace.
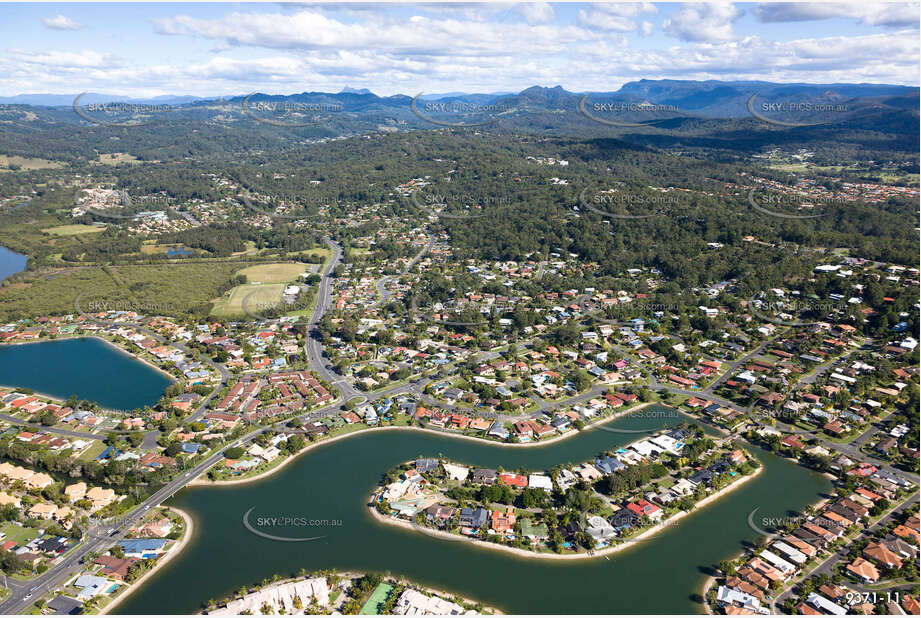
{"x":333,"y":482}
{"x":87,"y":367}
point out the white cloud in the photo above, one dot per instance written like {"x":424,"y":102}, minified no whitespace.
{"x":311,"y":30}
{"x":890,"y":15}
{"x":619,"y":17}
{"x":60,"y":22}
{"x":66,"y":60}
{"x":703,"y":22}
{"x":537,"y":12}
{"x":457,"y":47}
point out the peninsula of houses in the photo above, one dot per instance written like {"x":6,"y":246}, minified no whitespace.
{"x":597,"y":507}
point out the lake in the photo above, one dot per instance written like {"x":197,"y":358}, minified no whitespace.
{"x":87,"y":367}
{"x":334,"y":482}
{"x":11,"y":263}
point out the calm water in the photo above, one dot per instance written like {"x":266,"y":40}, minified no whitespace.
{"x":334,"y":482}
{"x":11,"y":263}
{"x":86,"y":367}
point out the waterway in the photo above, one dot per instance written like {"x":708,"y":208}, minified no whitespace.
{"x":87,"y":367}
{"x":11,"y":263}
{"x":333,"y":483}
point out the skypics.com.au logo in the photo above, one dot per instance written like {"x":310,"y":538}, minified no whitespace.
{"x":779,"y":204}
{"x":287,"y":114}
{"x":618,"y":204}
{"x":626,"y":114}
{"x":260,"y":524}
{"x":119,"y":114}
{"x":457,"y":113}
{"x":793,"y":114}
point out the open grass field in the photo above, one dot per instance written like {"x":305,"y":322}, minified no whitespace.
{"x":264,"y":296}
{"x":273,"y":273}
{"x":24,"y":163}
{"x":320,"y":251}
{"x":73,"y":230}
{"x":115,"y":158}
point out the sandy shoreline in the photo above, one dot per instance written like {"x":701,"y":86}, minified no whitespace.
{"x":262,"y":475}
{"x":175,"y":551}
{"x":671,"y":521}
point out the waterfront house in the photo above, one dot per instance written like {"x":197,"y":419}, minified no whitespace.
{"x":484,"y":476}
{"x":502,"y":521}
{"x":644,"y":508}
{"x":116,"y":568}
{"x":600,"y":529}
{"x":608,"y":464}
{"x":473,"y":517}
{"x":142,"y":548}
{"x":90,"y":586}
{"x":777,"y":562}
{"x":624,"y":519}
{"x":588,"y":472}
{"x":498,"y":430}
{"x":513,"y":480}
{"x":440,"y":514}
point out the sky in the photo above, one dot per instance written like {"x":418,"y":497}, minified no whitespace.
{"x":219,"y":49}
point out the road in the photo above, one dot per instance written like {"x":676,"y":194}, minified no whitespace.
{"x":313,"y":348}
{"x":98,"y":539}
{"x":103,"y":535}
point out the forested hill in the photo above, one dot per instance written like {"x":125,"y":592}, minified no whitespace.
{"x":867,"y":121}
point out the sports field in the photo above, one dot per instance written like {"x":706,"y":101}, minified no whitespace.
{"x":378,"y":597}
{"x":282,"y":272}
{"x":262,"y":296}
{"x":73,"y":230}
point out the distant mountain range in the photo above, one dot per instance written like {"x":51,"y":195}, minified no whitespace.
{"x":57,"y":100}
{"x":703,"y":99}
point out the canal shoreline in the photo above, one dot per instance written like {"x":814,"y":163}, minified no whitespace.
{"x":200,"y":482}
{"x":354,"y":575}
{"x":671,"y":521}
{"x":711,"y":580}
{"x":175,"y":551}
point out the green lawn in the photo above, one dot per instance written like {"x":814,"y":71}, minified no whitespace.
{"x":92,"y":451}
{"x":72,"y":230}
{"x":265,"y":296}
{"x":18,"y":534}
{"x":284,"y":272}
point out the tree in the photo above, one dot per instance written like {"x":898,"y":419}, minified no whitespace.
{"x":234,"y":452}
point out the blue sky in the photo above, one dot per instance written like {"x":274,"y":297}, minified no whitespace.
{"x":225,"y":49}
